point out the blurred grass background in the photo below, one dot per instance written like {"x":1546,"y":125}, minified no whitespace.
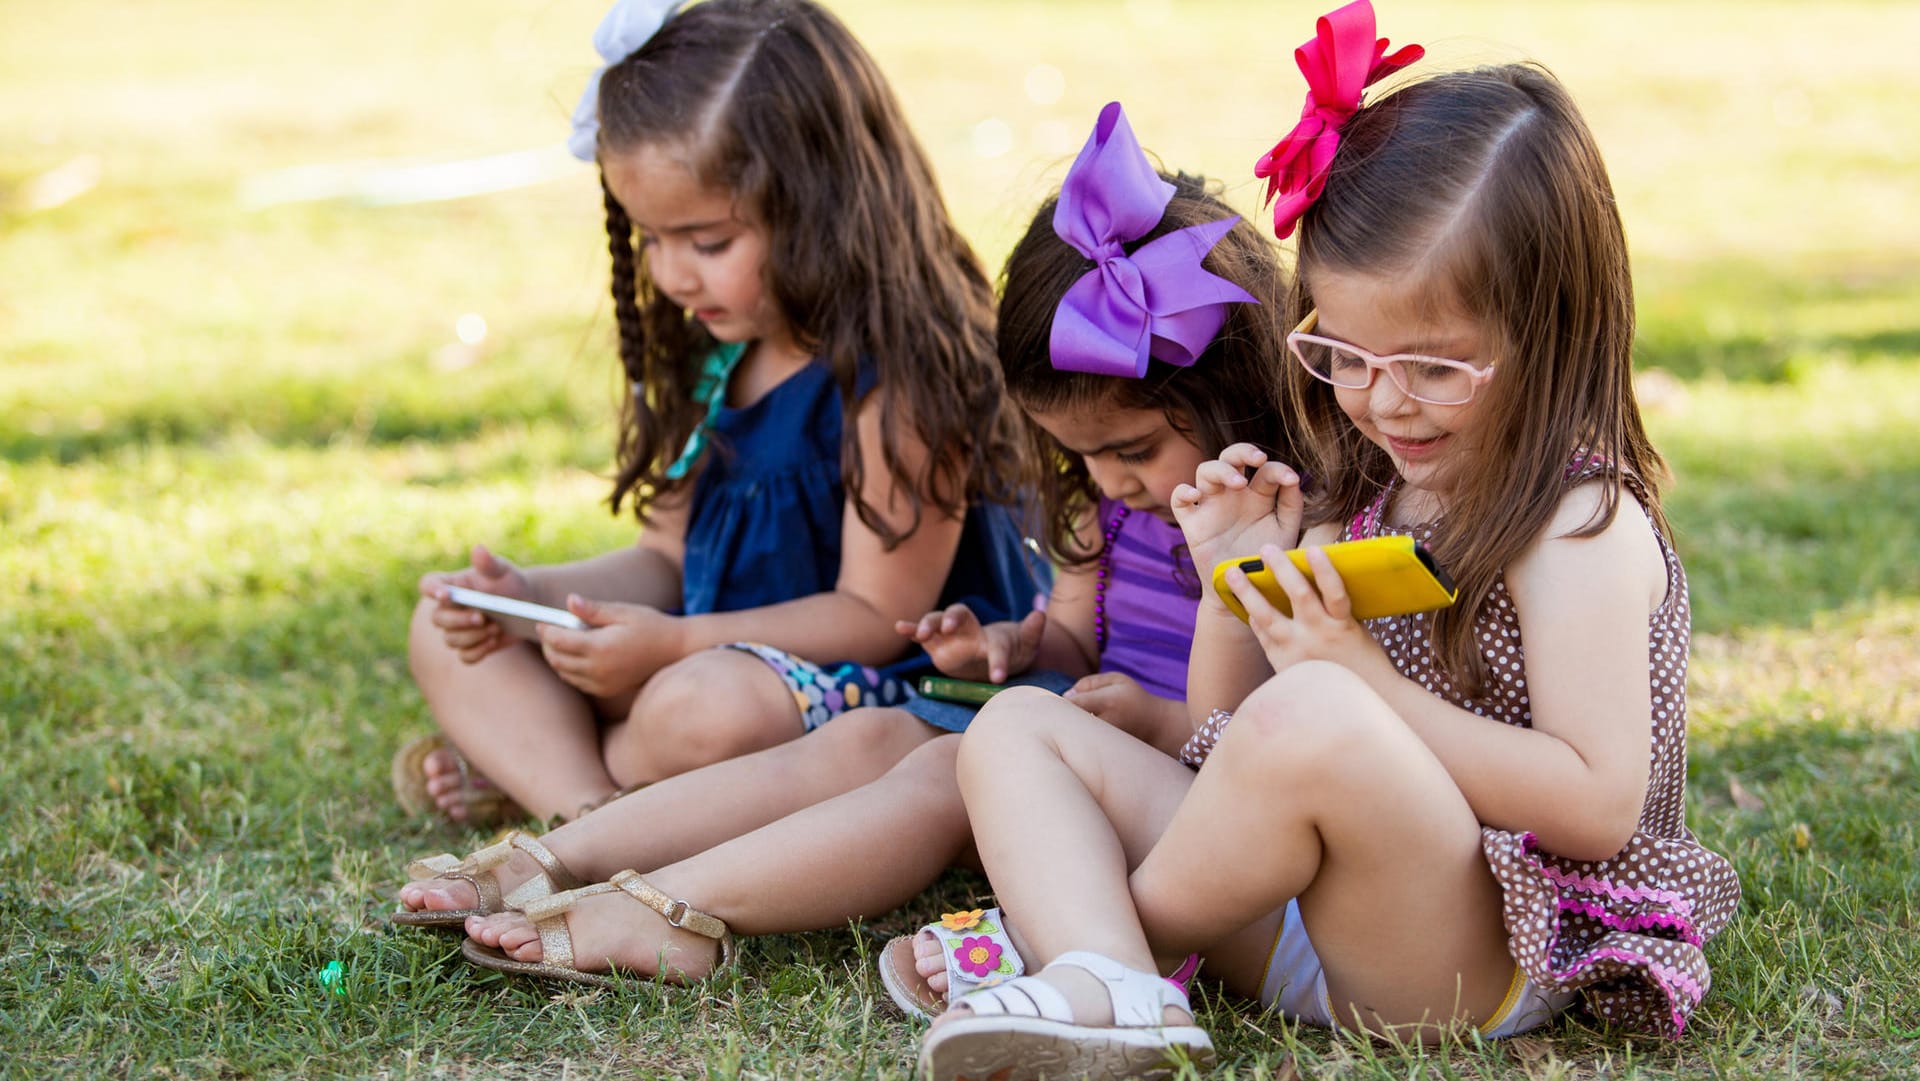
{"x":236,"y":425}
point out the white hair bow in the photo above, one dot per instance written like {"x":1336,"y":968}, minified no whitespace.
{"x":627,"y":26}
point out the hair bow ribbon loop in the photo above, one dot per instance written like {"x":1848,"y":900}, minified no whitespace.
{"x":1157,"y":302}
{"x":1340,"y":62}
{"x":627,"y":25}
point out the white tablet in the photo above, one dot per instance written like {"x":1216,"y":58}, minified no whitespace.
{"x":507,"y":606}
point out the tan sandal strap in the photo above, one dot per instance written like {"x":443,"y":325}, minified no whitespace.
{"x":553,"y":876}
{"x":678,"y":913}
{"x":549,"y":917}
{"x":485,"y":886}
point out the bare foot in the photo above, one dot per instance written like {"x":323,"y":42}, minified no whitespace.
{"x":609,"y":930}
{"x":454,"y":894}
{"x":930,"y":961}
{"x":446,"y":782}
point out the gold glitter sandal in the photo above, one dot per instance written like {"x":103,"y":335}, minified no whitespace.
{"x":549,"y":916}
{"x":477,"y":870}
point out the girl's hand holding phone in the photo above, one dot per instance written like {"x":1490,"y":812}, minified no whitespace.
{"x":1226,"y":512}
{"x":622,"y":647}
{"x":960,"y":647}
{"x":470,"y":632}
{"x":1322,"y":626}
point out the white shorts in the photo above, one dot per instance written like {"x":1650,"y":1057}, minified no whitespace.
{"x":1297,"y":985}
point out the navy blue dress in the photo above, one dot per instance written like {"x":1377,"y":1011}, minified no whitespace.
{"x":767,"y":507}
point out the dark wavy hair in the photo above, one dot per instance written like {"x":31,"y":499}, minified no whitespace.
{"x":774,"y":101}
{"x":1487,"y":187}
{"x":1231,"y":394}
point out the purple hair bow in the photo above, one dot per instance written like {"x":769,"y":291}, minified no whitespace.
{"x":1157,"y":302}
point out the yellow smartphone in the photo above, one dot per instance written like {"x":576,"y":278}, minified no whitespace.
{"x":1384,"y":576}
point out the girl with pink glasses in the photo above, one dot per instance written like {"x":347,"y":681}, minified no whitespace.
{"x":1465,"y":819}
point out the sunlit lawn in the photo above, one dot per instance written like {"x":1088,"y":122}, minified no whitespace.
{"x":233,"y":431}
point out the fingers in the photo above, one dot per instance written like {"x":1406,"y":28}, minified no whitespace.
{"x":1298,"y":587}
{"x":1218,"y":475}
{"x":1249,"y":595}
{"x":592,"y":613}
{"x":1328,"y":584}
{"x":1095,"y":682}
{"x":491,"y":641}
{"x":997,"y":653}
{"x":1272,"y":477}
{"x":1032,"y":628}
{"x":1290,"y":510}
{"x":488,"y":564}
{"x":1244,"y":456}
{"x":956,"y":618}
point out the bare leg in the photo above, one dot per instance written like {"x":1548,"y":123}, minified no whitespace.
{"x":1319,"y":791}
{"x":516,"y":722}
{"x":859,"y":854}
{"x":1062,"y":806}
{"x":705,"y":708}
{"x":695,"y":811}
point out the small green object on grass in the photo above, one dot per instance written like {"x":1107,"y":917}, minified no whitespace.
{"x":333,"y":978}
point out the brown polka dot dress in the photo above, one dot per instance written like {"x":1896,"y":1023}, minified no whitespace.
{"x":1626,"y":932}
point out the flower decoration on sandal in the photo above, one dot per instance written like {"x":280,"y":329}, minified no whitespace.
{"x":1156,"y":301}
{"x":978,"y":956}
{"x":965,"y":920}
{"x":1343,"y":59}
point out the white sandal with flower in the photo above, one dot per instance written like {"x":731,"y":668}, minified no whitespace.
{"x":1025,"y":1028}
{"x":978,"y":952}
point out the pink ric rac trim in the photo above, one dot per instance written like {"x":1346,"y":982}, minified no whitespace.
{"x":1663,"y":977}
{"x":1618,"y":892}
{"x":1601,"y":886}
{"x":1663,"y":920}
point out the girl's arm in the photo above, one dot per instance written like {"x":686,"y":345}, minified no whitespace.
{"x":647,"y":573}
{"x":876,"y":588}
{"x":1236,"y":502}
{"x":1068,"y":645}
{"x":1228,"y":662}
{"x":1577,"y":779}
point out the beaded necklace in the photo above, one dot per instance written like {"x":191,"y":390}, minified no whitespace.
{"x":1100,"y":578}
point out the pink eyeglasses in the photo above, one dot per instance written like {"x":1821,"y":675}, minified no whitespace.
{"x":1433,"y":380}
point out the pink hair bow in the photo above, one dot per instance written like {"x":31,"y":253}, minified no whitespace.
{"x":1158,"y":301}
{"x":1343,"y":59}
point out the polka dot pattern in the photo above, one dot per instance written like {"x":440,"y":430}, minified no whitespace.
{"x":1625,"y":932}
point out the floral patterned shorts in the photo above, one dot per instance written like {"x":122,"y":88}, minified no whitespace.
{"x":825,"y":693}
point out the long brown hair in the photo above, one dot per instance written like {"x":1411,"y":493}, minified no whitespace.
{"x":774,"y":101}
{"x":1487,"y":187}
{"x":1231,"y":394}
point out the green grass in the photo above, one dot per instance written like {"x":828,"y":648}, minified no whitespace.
{"x":231,"y":438}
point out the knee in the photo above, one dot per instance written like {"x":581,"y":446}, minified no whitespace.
{"x":876,"y":737}
{"x":1013,"y":717}
{"x":932,"y":761}
{"x":1308,"y":717}
{"x":427,"y":652}
{"x":701,"y":707}
{"x":1017,"y":722}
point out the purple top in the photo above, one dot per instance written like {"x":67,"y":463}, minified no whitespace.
{"x":1152,"y":597}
